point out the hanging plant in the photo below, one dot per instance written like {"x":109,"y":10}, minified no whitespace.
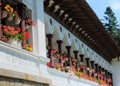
{"x":10,"y":12}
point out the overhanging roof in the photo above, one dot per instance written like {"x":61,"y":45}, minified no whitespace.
{"x":84,"y":24}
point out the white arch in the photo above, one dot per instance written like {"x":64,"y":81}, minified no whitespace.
{"x":65,"y":42}
{"x":56,"y":32}
{"x":86,"y":53}
{"x":73,"y":46}
{"x":56,"y":36}
{"x":80,"y":49}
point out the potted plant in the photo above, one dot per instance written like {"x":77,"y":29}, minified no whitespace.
{"x":66,"y":69}
{"x":58,"y":66}
{"x":10,"y":11}
{"x":12,"y":34}
{"x":15,"y":35}
{"x":28,"y":23}
{"x":78,"y":74}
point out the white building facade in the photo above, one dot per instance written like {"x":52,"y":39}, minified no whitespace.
{"x":25,"y":65}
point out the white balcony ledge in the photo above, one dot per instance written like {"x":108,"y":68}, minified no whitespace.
{"x":59,"y":76}
{"x":21,"y":52}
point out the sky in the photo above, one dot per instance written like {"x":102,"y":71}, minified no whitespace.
{"x":99,"y":7}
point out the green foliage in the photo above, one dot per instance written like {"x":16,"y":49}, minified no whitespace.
{"x":78,"y":74}
{"x":19,"y":37}
{"x":111,"y":24}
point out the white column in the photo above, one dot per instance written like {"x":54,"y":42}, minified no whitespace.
{"x":39,"y":35}
{"x":116,"y":72}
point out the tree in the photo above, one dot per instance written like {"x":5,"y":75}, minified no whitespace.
{"x":111,"y":24}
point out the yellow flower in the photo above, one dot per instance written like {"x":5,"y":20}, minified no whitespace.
{"x":27,"y":45}
{"x":11,"y":10}
{"x":30,"y":49}
{"x":27,"y":48}
{"x":8,"y":8}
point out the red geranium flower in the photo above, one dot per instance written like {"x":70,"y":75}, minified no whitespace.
{"x":13,"y":32}
{"x":5,"y":30}
{"x":27,"y":35}
{"x":54,"y":51}
{"x":49,"y":64}
{"x":18,"y":29}
{"x":66,"y":59}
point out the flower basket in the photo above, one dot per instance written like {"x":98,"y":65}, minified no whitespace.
{"x":4,"y":14}
{"x":15,"y":43}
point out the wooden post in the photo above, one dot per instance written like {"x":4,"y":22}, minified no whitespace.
{"x":59,"y":42}
{"x":103,"y":72}
{"x":96,"y":70}
{"x":106,"y":76}
{"x":99,"y":71}
{"x":76,"y":57}
{"x":68,"y":54}
{"x":49,"y":36}
{"x":111,"y":79}
{"x":81,"y":62}
{"x":87,"y":65}
{"x":92,"y":66}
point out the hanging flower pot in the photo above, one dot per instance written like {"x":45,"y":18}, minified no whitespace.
{"x":10,"y":17}
{"x":4,"y":14}
{"x":17,"y":20}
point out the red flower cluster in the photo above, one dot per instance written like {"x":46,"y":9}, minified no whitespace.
{"x":29,"y":21}
{"x":54,"y":51}
{"x":15,"y":33}
{"x":49,"y":64}
{"x":65,"y":59}
{"x":10,"y":31}
{"x":58,"y":64}
{"x":26,"y":35}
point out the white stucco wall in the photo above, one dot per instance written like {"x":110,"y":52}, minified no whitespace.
{"x":116,"y":72}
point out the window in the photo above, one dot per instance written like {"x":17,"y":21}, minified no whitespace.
{"x":16,"y":24}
